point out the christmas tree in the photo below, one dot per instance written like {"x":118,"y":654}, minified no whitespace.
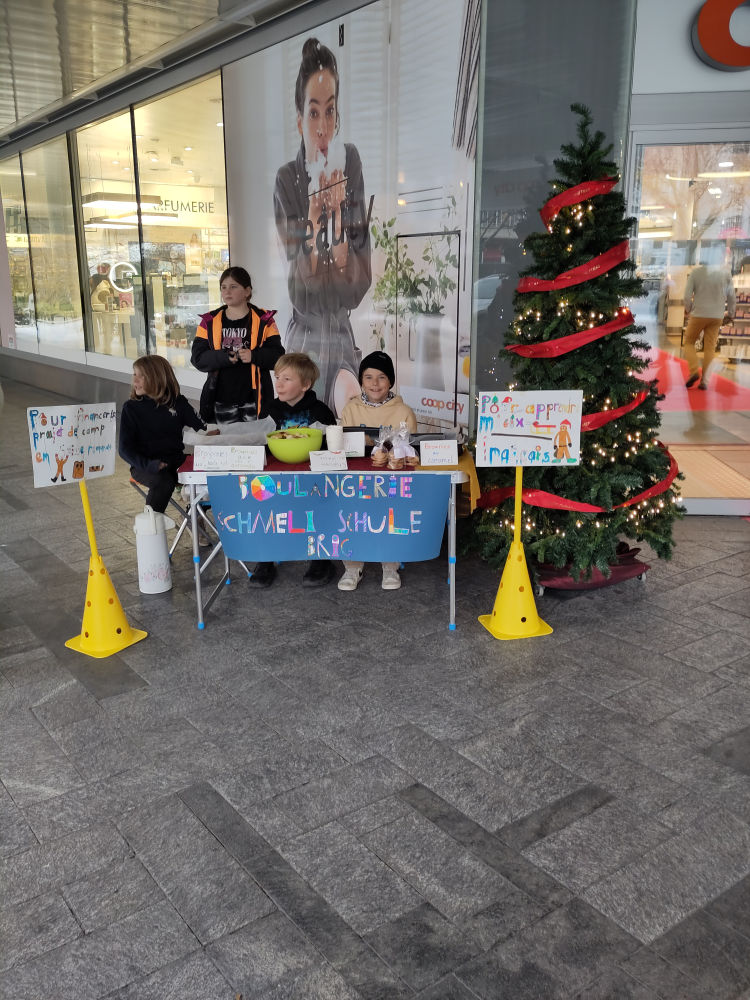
{"x":572,"y":331}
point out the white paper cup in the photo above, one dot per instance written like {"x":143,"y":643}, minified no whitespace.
{"x":335,"y":438}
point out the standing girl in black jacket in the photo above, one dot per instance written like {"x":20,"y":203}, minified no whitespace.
{"x":238,"y":345}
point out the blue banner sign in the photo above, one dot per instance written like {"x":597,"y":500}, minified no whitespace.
{"x":375,"y":517}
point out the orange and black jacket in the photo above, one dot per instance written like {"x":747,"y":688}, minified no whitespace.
{"x":207,"y":355}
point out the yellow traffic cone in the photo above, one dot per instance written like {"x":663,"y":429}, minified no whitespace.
{"x":105,"y":630}
{"x":514,"y":614}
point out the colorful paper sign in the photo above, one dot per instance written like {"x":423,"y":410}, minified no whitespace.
{"x":69,"y":443}
{"x":374,"y":517}
{"x":529,"y":428}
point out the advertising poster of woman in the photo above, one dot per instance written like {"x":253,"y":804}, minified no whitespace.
{"x":350,"y":161}
{"x":323,"y":226}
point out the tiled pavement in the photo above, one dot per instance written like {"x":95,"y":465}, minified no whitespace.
{"x":330,"y":795}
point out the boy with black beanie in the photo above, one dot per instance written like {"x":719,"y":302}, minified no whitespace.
{"x":376,"y":406}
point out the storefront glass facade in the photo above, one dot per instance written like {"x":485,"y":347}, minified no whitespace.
{"x":152,"y":227}
{"x":185,"y":244}
{"x":692,"y":201}
{"x":52,"y":241}
{"x":23,"y":334}
{"x":106,"y":167}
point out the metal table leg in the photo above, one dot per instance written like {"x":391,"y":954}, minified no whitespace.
{"x":196,"y":496}
{"x":452,"y":556}
{"x":196,"y":557}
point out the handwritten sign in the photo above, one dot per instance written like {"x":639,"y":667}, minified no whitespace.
{"x":74,"y":442}
{"x":328,"y":461}
{"x":529,"y":428}
{"x":229,"y":457}
{"x":439,"y":452}
{"x":354,"y":444}
{"x":372,"y":517}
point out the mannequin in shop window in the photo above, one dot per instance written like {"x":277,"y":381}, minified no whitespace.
{"x":322,"y":221}
{"x":104,"y":304}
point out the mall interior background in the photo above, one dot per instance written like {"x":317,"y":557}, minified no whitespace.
{"x":122,"y":205}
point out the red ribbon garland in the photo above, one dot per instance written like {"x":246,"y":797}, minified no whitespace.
{"x":574,"y":195}
{"x":535,"y":498}
{"x":592,"y":421}
{"x":659,"y":487}
{"x":584,"y":272}
{"x":540,"y":498}
{"x":572,"y":341}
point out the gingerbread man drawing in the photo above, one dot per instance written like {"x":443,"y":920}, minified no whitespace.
{"x":563,"y":441}
{"x":61,"y":460}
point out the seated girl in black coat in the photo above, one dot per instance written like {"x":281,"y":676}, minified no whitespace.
{"x":151,"y":428}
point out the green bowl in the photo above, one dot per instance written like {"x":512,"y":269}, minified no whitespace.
{"x":293,"y":450}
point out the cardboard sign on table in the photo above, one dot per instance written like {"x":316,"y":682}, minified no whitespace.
{"x":438,"y":452}
{"x":229,"y":457}
{"x":328,"y":461}
{"x":354,"y":444}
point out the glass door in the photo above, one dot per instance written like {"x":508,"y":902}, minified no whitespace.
{"x":692,"y":203}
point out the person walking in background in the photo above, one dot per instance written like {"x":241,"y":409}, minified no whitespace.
{"x":709,"y":294}
{"x":323,"y":226}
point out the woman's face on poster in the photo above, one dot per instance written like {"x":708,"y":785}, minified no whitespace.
{"x":317,"y":123}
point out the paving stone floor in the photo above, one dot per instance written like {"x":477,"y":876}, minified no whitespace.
{"x":329,"y":795}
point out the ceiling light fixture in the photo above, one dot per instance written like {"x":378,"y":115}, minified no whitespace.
{"x":103,"y":223}
{"x":147,"y":217}
{"x":117,"y":199}
{"x":725,"y":173}
{"x":654,"y":234}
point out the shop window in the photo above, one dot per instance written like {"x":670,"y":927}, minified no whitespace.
{"x":23,"y":336}
{"x":692,"y":202}
{"x":180,"y":147}
{"x":693,"y":207}
{"x":52,"y":242}
{"x":114,"y":297}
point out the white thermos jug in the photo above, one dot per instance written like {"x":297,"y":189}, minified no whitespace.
{"x":154,"y":571}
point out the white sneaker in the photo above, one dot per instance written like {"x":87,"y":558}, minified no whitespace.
{"x":391,"y":579}
{"x":350,"y":579}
